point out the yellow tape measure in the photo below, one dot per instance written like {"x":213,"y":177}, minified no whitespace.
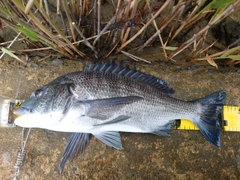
{"x":230,"y":120}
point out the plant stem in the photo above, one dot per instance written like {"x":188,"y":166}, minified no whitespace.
{"x":145,"y":26}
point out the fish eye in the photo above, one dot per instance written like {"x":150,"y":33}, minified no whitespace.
{"x":38,"y":93}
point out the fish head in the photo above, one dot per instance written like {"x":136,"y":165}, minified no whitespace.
{"x":43,"y":107}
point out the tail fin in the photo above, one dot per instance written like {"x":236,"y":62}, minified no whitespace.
{"x":208,"y":122}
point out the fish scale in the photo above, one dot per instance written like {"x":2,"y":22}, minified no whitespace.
{"x":120,"y":86}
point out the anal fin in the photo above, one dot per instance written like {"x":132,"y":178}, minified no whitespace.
{"x":110,"y":138}
{"x":165,"y":130}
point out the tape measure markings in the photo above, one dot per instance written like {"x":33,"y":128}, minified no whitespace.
{"x":230,"y":120}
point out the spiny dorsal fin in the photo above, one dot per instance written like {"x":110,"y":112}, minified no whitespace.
{"x":112,"y":67}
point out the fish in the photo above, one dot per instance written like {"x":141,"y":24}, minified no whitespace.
{"x":105,"y":99}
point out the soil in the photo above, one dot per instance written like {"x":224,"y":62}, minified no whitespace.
{"x":182,"y":155}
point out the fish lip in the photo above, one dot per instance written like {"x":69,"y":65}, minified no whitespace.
{"x":22,"y":111}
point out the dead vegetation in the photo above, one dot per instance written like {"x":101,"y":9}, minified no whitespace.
{"x":132,"y":27}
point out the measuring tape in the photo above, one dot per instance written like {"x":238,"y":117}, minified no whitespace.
{"x":230,"y":120}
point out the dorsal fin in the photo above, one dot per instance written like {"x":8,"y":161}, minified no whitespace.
{"x":112,"y":67}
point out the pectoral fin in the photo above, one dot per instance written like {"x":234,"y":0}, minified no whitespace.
{"x":111,"y":139}
{"x":105,"y":108}
{"x":116,"y":120}
{"x":76,"y":145}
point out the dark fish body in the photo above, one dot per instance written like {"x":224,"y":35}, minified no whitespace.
{"x":145,"y":104}
{"x":106,"y":98}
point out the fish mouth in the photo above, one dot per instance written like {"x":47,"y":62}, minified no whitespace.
{"x":22,"y":111}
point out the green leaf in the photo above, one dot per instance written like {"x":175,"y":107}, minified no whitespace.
{"x":220,"y":3}
{"x":230,"y":51}
{"x":3,"y":10}
{"x":170,"y":48}
{"x":217,"y":4}
{"x":6,"y":7}
{"x":19,"y":4}
{"x":10,"y":53}
{"x":220,"y":6}
{"x":234,"y":57}
{"x":29,"y":33}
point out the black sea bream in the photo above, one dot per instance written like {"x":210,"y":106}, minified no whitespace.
{"x":105,"y":99}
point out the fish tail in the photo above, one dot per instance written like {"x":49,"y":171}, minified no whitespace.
{"x":207,"y":121}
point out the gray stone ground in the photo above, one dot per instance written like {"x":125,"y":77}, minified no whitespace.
{"x":183,"y":155}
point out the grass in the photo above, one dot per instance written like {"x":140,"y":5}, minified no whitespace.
{"x":133,"y":26}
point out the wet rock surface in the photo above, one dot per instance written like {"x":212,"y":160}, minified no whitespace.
{"x":182,"y":155}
